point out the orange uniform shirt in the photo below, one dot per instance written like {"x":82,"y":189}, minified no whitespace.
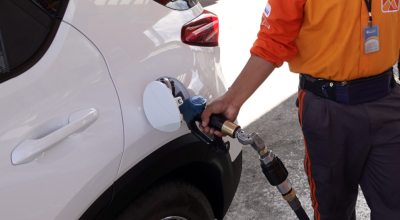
{"x":325,"y":39}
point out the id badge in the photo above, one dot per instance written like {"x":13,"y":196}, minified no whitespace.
{"x":371,"y":39}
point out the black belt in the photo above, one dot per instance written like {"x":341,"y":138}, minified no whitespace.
{"x":350,"y":92}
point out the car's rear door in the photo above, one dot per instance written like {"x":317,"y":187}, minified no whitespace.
{"x":61,"y":133}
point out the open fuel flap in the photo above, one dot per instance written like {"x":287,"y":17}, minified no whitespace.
{"x":161,"y":105}
{"x":167,"y":103}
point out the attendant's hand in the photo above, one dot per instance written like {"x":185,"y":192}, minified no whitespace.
{"x":224,"y":106}
{"x":254,"y":73}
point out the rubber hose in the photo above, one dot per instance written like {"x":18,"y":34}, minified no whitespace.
{"x":301,"y":214}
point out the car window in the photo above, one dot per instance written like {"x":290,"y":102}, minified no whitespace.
{"x":3,"y":67}
{"x":178,"y":4}
{"x":26,"y":26}
{"x":50,"y":6}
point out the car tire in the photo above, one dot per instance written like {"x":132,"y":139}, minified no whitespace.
{"x":169,"y":200}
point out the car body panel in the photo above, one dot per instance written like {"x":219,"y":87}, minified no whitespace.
{"x":149,"y":48}
{"x":64,"y":180}
{"x":103,"y":56}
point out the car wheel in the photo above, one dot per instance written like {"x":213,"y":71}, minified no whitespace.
{"x":169,"y":200}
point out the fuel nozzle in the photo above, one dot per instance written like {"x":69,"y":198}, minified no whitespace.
{"x":191,"y":109}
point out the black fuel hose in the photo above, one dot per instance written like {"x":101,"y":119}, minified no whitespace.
{"x":275,"y":171}
{"x":301,"y":214}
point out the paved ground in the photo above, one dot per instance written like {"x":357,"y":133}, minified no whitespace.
{"x":270,"y":111}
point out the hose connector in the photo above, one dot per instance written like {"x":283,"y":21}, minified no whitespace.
{"x":221,"y":124}
{"x":258,"y":143}
{"x":229,"y":129}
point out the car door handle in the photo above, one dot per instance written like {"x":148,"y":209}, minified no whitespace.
{"x":31,"y":148}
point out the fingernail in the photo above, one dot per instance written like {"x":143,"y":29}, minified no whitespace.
{"x":204,"y":124}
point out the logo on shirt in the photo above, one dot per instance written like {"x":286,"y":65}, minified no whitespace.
{"x":267,"y":12}
{"x":265,"y":22}
{"x":390,"y":6}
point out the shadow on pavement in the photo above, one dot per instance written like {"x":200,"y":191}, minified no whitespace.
{"x":206,"y":3}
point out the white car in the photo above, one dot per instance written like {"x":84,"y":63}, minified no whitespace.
{"x":74,"y":140}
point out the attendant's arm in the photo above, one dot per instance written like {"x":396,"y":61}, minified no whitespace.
{"x":252,"y":76}
{"x":280,"y":25}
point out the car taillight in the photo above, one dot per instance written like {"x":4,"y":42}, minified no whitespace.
{"x":202,"y":31}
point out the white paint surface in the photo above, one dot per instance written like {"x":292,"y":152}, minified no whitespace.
{"x":70,"y":171}
{"x":149,"y":48}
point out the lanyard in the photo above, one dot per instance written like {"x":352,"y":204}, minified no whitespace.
{"x":368,"y":3}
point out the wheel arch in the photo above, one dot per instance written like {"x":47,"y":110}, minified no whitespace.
{"x":207,"y":178}
{"x":185,"y":157}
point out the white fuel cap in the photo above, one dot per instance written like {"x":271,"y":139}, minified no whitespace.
{"x":161,"y":108}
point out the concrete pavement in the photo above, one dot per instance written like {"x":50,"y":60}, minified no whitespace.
{"x":271,"y":111}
